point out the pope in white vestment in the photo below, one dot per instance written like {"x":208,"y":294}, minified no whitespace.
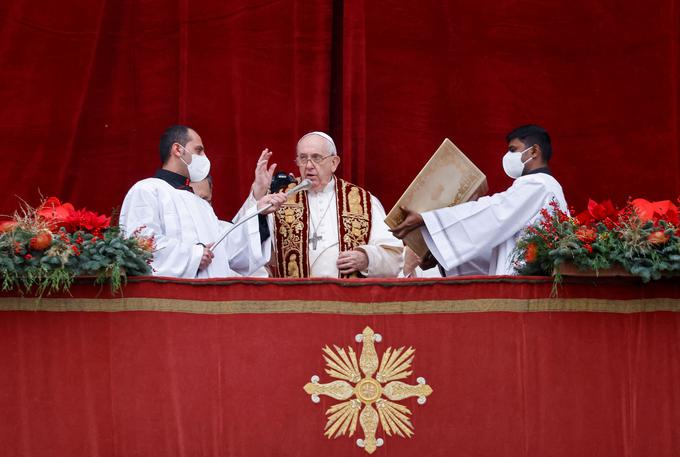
{"x":335,"y":229}
{"x":383,"y":250}
{"x":184,"y":225}
{"x":478,"y":238}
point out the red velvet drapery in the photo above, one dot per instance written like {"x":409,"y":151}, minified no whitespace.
{"x":216,"y":368}
{"x":87,"y":86}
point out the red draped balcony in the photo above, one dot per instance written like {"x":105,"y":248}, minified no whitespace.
{"x":220,"y":367}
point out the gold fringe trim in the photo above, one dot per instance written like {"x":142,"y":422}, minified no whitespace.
{"x":340,"y":307}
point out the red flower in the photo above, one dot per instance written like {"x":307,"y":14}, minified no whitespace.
{"x":597,"y":212}
{"x":531,"y":253}
{"x":83,"y":219}
{"x":656,"y":211}
{"x":28,"y":257}
{"x":586,"y":234}
{"x":658,"y":237}
{"x":54,"y":212}
{"x":65,"y":215}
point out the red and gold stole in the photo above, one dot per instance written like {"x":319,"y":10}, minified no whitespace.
{"x":291,"y":224}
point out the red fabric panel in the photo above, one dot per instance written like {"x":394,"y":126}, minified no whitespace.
{"x":505,"y":384}
{"x":87,"y":87}
{"x":473,"y":70}
{"x":372,"y":290}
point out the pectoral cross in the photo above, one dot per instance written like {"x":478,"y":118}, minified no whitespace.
{"x":315,"y":239}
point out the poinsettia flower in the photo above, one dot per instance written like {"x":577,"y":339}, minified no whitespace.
{"x":667,"y":211}
{"x":83,"y":219}
{"x":602,"y":210}
{"x":53,"y":211}
{"x":656,"y":211}
{"x":597,"y":212}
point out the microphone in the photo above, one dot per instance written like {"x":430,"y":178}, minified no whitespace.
{"x":304,"y":185}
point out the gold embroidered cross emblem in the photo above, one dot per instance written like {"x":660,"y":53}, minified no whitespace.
{"x":374,"y":398}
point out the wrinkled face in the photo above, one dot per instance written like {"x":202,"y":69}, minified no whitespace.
{"x":312,"y":149}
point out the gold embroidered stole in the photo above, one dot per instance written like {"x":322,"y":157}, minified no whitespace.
{"x":291,"y":224}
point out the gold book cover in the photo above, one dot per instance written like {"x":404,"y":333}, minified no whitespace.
{"x":449,"y":178}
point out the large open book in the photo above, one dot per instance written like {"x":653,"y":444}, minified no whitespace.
{"x":448,"y":178}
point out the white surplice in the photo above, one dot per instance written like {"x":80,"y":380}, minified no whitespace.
{"x":477,"y":238}
{"x":179,"y":220}
{"x":384,"y":251}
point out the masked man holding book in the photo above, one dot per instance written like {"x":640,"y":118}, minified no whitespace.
{"x":478,"y":237}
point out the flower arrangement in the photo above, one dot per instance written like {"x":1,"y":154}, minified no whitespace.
{"x":643,"y":238}
{"x":48,"y":246}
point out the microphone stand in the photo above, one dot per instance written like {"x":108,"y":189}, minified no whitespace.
{"x":304,"y":185}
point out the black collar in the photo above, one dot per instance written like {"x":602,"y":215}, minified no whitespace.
{"x":174,"y":179}
{"x":545,"y":170}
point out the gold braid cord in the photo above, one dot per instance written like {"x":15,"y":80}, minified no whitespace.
{"x":368,"y":400}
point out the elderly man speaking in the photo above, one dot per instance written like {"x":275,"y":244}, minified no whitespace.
{"x":334,"y":229}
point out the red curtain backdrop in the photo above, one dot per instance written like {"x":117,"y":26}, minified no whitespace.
{"x":593,"y":373}
{"x":87,"y":86}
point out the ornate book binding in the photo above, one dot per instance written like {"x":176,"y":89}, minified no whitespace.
{"x":449,"y":178}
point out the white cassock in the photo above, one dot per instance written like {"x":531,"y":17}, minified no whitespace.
{"x":384,"y":251}
{"x":178,"y":220}
{"x":477,"y":238}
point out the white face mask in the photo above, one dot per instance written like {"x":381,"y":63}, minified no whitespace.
{"x":512,"y":163}
{"x":199,"y":166}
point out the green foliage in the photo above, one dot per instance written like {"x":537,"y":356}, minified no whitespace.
{"x":105,"y":254}
{"x":648,"y":248}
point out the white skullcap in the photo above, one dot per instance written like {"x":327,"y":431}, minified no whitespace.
{"x":332,"y":150}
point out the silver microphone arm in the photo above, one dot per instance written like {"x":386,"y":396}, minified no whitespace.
{"x":304,"y":185}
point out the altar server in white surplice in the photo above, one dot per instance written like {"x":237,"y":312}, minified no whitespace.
{"x":477,"y":238}
{"x":335,"y":229}
{"x":184,"y":225}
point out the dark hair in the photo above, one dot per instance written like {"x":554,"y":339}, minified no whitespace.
{"x":533,"y":134}
{"x":173,"y":134}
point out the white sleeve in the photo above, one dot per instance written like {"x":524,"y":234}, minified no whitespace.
{"x":458,"y":234}
{"x":247,"y":205}
{"x":384,"y":251}
{"x":141,"y":211}
{"x":245,"y":252}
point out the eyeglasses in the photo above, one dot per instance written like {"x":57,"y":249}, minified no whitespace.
{"x":302,"y":160}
